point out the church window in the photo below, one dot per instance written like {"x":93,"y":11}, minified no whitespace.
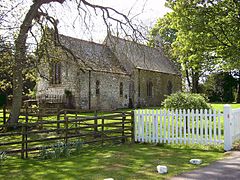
{"x":67,"y":68}
{"x":97,"y":88}
{"x":169,"y":88}
{"x":55,"y":73}
{"x":149,"y":88}
{"x":121,"y":89}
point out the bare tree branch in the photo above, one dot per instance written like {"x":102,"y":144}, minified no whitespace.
{"x":126,"y":22}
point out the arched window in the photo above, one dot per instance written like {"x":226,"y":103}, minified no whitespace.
{"x":149,"y":88}
{"x":55,"y":73}
{"x":121,"y":89}
{"x":97,"y":88}
{"x":169,"y":87}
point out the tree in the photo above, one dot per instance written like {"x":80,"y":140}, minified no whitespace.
{"x":210,"y":29}
{"x":207,"y":35}
{"x":166,"y":34}
{"x":6,"y":58}
{"x":163,"y":34}
{"x":220,"y":87}
{"x":34,"y":15}
{"x":20,"y":56}
{"x":6,"y":63}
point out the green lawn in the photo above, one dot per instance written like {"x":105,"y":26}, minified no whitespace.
{"x":129,"y":161}
{"x":136,"y":161}
{"x":219,"y":106}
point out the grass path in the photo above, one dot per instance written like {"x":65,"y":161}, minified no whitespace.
{"x":130,"y":161}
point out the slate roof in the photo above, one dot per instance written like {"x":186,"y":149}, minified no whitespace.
{"x":118,"y":56}
{"x":92,"y":55}
{"x":140,"y":56}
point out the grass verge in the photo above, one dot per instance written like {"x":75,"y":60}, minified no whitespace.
{"x":129,"y":161}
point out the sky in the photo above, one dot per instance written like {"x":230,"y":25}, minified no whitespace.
{"x":143,"y":13}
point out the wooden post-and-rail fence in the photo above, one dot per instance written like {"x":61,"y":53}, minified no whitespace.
{"x":142,"y":125}
{"x":67,"y":128}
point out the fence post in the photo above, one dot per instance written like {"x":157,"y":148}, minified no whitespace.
{"x":58,"y":119}
{"x":102,"y":132}
{"x":26,"y":138}
{"x":95,"y":124}
{"x":4,"y":114}
{"x":227,"y":127}
{"x":26,"y":134}
{"x":133,"y":126}
{"x":123,"y":127}
{"x":23,"y":139}
{"x":66,"y":127}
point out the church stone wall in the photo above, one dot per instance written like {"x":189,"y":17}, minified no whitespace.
{"x":109,"y":91}
{"x":77,"y":82}
{"x":160,"y":87}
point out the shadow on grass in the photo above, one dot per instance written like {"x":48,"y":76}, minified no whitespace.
{"x":129,"y":161}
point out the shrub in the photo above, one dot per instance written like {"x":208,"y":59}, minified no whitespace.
{"x":182,"y":100}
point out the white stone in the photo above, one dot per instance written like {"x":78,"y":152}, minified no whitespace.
{"x":196,"y":161}
{"x":162,"y":169}
{"x":108,"y":179}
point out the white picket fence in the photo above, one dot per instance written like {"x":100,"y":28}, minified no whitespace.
{"x":236,"y":124}
{"x":187,"y":126}
{"x":231,"y":126}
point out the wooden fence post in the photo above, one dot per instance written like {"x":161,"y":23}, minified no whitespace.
{"x":76,"y":123}
{"x":95,"y":124}
{"x":66,"y":129}
{"x":26,"y":134}
{"x":26,"y":114}
{"x":227,"y":127}
{"x":58,"y":119}
{"x":123,"y":127}
{"x":4,"y":114}
{"x":23,"y":143}
{"x":133,"y":126}
{"x":102,"y":132}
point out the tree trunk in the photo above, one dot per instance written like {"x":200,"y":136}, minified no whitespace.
{"x":17,"y":87}
{"x":195,"y":84}
{"x":238,"y":93}
{"x":238,"y":88}
{"x":20,"y":57}
{"x":188,"y":79}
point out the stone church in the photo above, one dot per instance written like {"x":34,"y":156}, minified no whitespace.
{"x":115,"y":74}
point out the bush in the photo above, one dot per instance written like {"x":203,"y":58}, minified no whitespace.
{"x":182,"y":100}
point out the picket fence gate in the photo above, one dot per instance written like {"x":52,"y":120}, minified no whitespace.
{"x":187,"y":126}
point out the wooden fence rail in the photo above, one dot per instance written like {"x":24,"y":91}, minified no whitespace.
{"x":33,"y":136}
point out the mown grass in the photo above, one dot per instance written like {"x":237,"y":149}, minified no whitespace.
{"x":129,"y":161}
{"x":220,"y":106}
